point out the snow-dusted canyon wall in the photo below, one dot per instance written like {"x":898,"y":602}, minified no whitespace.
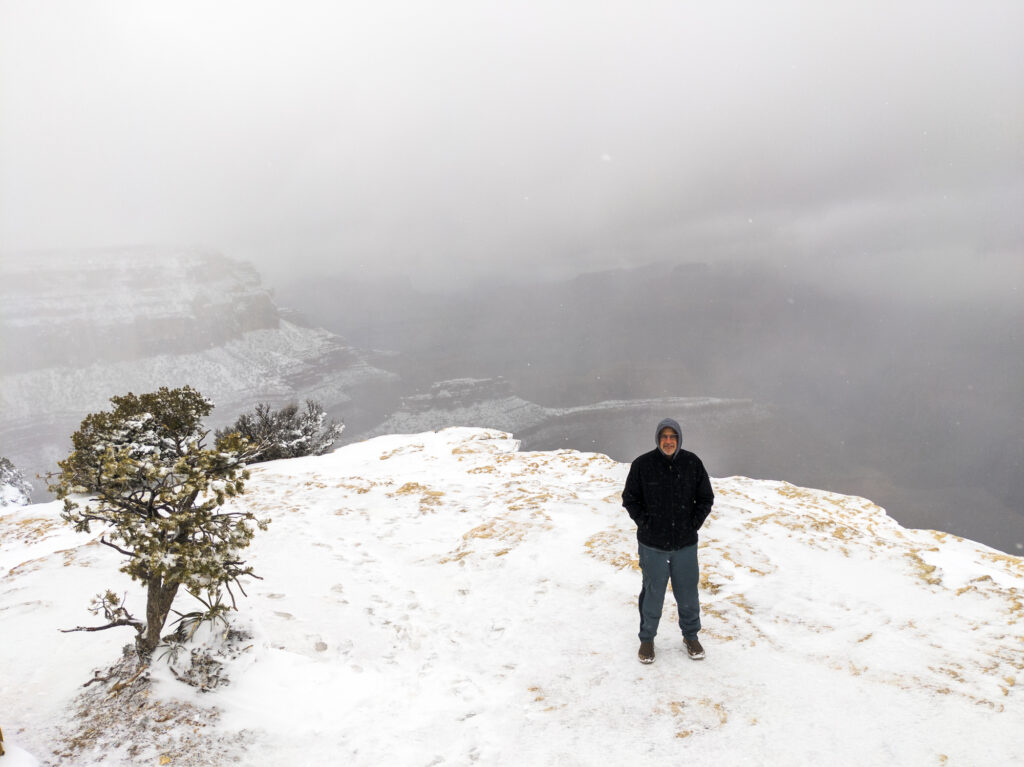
{"x":85,"y":307}
{"x":79,"y":328}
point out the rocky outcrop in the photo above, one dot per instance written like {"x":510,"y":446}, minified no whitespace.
{"x":14,"y":489}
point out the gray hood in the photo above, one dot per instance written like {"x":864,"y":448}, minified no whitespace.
{"x":674,"y":425}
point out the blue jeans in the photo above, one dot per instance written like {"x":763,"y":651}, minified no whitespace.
{"x":657,"y":567}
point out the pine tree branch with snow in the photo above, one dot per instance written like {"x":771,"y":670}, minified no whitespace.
{"x":286,"y":433}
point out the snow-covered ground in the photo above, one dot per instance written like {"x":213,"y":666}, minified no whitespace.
{"x":442,"y":598}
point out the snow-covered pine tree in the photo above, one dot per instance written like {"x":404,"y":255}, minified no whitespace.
{"x":14,"y":488}
{"x":142,"y":470}
{"x":285,"y":433}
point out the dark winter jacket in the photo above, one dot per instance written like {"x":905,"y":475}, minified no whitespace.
{"x":668,"y":498}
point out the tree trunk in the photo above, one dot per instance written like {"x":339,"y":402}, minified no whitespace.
{"x":159,"y":598}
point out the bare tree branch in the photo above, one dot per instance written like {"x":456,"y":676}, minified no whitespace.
{"x":117,"y":548}
{"x":113,"y":624}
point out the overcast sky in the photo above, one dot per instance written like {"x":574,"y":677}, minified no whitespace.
{"x":453,"y":140}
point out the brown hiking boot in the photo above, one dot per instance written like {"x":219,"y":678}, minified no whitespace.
{"x":693,"y":648}
{"x":646,"y":653}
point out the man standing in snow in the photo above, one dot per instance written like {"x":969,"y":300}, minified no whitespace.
{"x":668,"y":495}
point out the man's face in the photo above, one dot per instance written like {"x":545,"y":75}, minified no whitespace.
{"x":668,"y":440}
